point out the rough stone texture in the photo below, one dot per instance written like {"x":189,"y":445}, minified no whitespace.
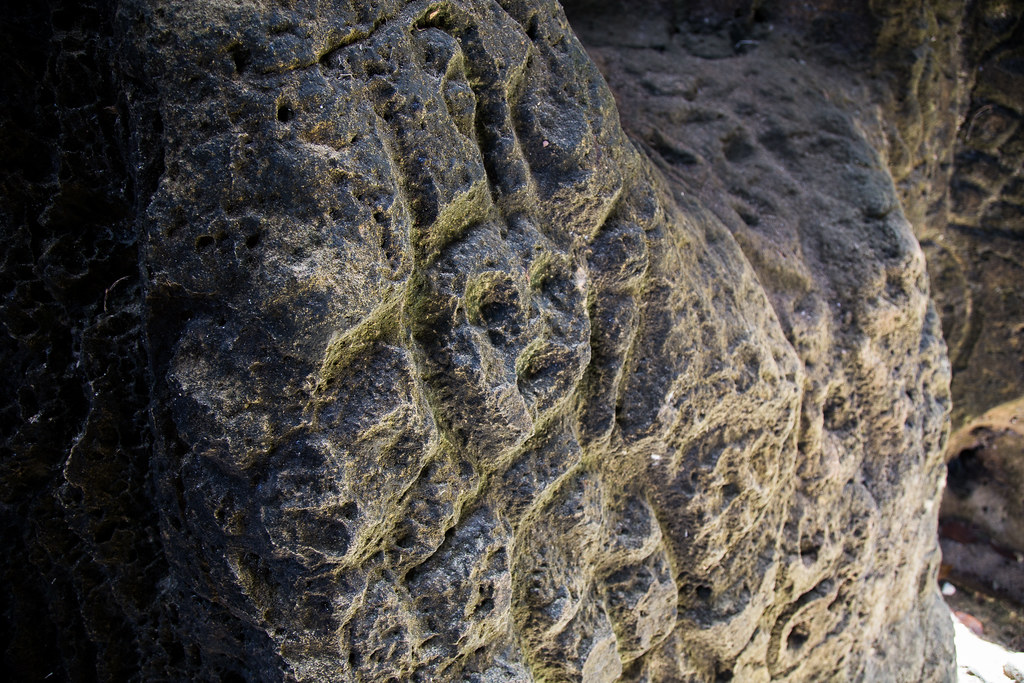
{"x":982,"y":514}
{"x":976,"y":245}
{"x":769,"y":142}
{"x":969,"y":216}
{"x":356,"y":341}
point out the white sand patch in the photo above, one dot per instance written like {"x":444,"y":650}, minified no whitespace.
{"x":979,"y":660}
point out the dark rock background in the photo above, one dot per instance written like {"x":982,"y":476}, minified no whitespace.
{"x":361,"y":341}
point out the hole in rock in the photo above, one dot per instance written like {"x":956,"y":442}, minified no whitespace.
{"x":241,"y":57}
{"x":797,"y":638}
{"x":809,"y":552}
{"x":532,"y":29}
{"x":414,"y":574}
{"x":964,"y":472}
{"x":748,"y":217}
{"x":486,"y":603}
{"x":406,"y":540}
{"x":284,"y":112}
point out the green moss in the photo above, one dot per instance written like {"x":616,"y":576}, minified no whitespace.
{"x":485,"y":288}
{"x":525,"y":362}
{"x":344,"y":348}
{"x":546,"y":267}
{"x":464,"y":211}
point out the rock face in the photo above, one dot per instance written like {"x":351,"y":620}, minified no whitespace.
{"x":962,"y":189}
{"x":357,"y":341}
{"x":976,"y":253}
{"x":982,"y":515}
{"x":797,"y":179}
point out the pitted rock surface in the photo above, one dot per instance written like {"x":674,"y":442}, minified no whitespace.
{"x":495,"y":407}
{"x":976,"y":247}
{"x":811,"y":203}
{"x":399,"y":360}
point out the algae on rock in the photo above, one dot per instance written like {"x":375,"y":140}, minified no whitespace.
{"x":436,"y":374}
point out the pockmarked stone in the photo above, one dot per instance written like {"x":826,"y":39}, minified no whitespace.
{"x":358,"y":341}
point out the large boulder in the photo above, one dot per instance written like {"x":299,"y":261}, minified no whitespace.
{"x":357,"y":341}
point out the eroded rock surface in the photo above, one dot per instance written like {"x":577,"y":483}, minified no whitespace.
{"x":962,"y":190}
{"x":439,"y":376}
{"x":977,"y":252}
{"x":774,"y":146}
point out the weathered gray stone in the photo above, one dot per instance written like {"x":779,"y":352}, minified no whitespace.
{"x":811,"y":203}
{"x":397,"y":359}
